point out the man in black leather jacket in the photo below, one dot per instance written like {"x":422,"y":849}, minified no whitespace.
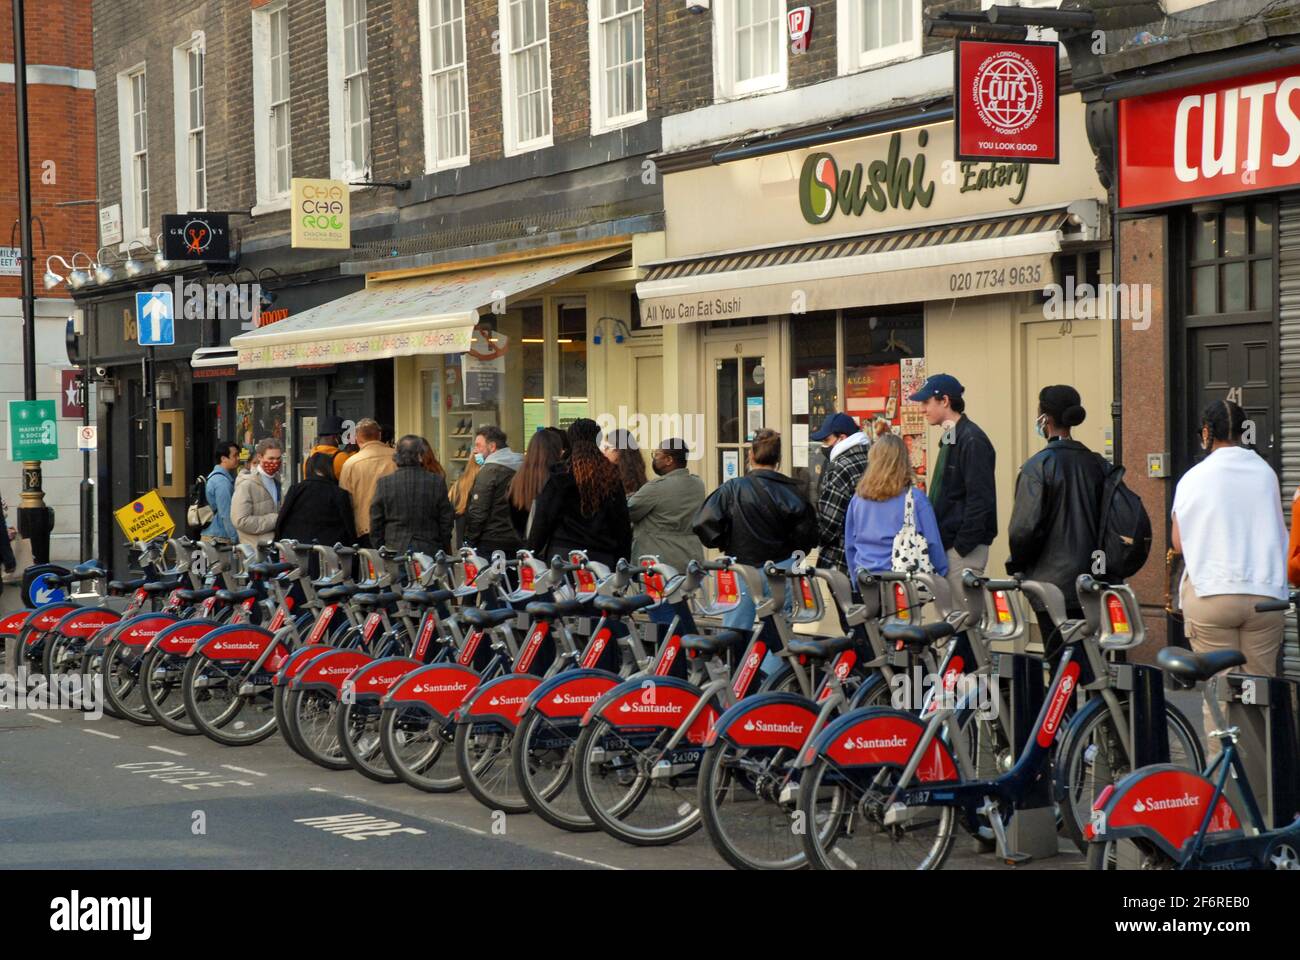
{"x":759,"y":516}
{"x":1054,"y":521}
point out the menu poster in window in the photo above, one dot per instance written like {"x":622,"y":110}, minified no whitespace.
{"x":484,"y":366}
{"x":867,"y":391}
{"x":730,"y":465}
{"x":753,"y":416}
{"x":916,"y":455}
{"x":912,"y":378}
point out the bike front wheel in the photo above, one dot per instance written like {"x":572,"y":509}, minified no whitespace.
{"x":160,"y":689}
{"x":224,"y":701}
{"x":419,"y":749}
{"x":542,"y":753}
{"x":357,"y":733}
{"x":483,"y":759}
{"x":747,"y":802}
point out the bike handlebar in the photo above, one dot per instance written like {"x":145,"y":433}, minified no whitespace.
{"x":722,"y":563}
{"x":973,"y":580}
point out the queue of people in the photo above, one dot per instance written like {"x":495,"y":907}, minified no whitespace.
{"x":577,"y":489}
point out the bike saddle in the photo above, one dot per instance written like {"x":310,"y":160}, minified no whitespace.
{"x":550,"y":611}
{"x":713,"y":642}
{"x":821,"y":648}
{"x":159,"y":586}
{"x":345,"y":552}
{"x":1190,"y":667}
{"x":622,"y":605}
{"x":382,"y":599}
{"x":125,"y":586}
{"x":268,"y":570}
{"x":479,"y":617}
{"x":340,"y":592}
{"x":196,"y":596}
{"x":918,"y":636}
{"x":427,"y":598}
{"x":90,"y":570}
{"x":235,"y":596}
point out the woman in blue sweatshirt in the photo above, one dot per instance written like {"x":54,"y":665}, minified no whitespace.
{"x":876,"y":512}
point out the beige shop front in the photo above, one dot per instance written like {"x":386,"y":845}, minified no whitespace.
{"x":800,"y":283}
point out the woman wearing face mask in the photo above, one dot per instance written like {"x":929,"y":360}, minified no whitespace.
{"x":1227,"y":523}
{"x":256,"y":501}
{"x":1057,"y":508}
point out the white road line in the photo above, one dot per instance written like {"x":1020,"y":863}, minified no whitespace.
{"x":228,"y":766}
{"x":594,"y":863}
{"x":174,"y":753}
{"x":100,"y":733}
{"x":41,"y":716}
{"x":318,"y":790}
{"x":348,"y":796}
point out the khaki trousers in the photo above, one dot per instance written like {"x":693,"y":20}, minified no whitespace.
{"x":1229,"y":621}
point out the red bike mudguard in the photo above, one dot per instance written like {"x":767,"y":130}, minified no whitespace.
{"x":179,"y":638}
{"x":655,"y":702}
{"x":879,"y":736}
{"x":328,"y":670}
{"x":440,"y":688}
{"x":1164,"y":804}
{"x":499,"y":699}
{"x":296,"y":661}
{"x":570,"y":694}
{"x":45,"y":618}
{"x":11,"y":624}
{"x":240,"y":642}
{"x":768,"y":720}
{"x":140,"y":630}
{"x":86,"y":621}
{"x":373,"y":680}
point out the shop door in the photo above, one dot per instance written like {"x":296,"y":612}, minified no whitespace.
{"x":737,"y":407}
{"x":1238,"y":363}
{"x":1067,"y":351}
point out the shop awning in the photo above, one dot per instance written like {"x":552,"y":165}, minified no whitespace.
{"x":399,"y":318}
{"x":973,"y":259}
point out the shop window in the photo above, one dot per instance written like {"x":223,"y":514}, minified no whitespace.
{"x":1230,"y":251}
{"x":863,"y":362}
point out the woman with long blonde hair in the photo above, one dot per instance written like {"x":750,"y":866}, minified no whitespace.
{"x":885,"y":502}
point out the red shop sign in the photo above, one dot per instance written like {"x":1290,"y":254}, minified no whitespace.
{"x":1007,"y":101}
{"x":1212,"y":140}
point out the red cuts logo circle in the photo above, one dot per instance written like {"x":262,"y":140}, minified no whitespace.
{"x":1008,"y":92}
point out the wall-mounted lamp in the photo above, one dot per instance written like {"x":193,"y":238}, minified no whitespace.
{"x":108,"y":392}
{"x":621,"y":331}
{"x":104,"y":272}
{"x":80,"y":276}
{"x":53,"y":279}
{"x":160,"y":262}
{"x":166,"y":389}
{"x":136,"y":265}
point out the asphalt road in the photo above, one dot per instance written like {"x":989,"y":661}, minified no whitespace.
{"x":106,"y":793}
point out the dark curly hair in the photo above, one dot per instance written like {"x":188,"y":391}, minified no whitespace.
{"x":598,"y":480}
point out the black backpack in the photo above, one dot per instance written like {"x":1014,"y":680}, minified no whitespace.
{"x":1124,"y":531}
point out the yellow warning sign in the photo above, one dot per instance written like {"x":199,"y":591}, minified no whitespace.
{"x":144,"y":519}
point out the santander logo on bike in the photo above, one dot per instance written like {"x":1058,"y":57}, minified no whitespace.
{"x":561,"y":699}
{"x":497,"y":701}
{"x":875,"y":743}
{"x":763,"y":726}
{"x":439,"y":687}
{"x":1167,"y":803}
{"x":628,"y":707}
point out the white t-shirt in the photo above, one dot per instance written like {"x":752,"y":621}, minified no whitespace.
{"x":1229,"y":513}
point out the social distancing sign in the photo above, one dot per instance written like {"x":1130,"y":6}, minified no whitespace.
{"x":145,"y":519}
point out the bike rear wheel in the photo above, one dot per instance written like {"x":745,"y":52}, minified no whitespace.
{"x":483,"y":759}
{"x":357,"y":731}
{"x":745,"y":816}
{"x":217,"y":703}
{"x":615,"y":770}
{"x":160,"y":689}
{"x":844,"y":812}
{"x":311,"y":713}
{"x":542,"y":753}
{"x":419,"y":749}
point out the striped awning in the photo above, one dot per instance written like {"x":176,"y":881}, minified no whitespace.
{"x":976,"y":258}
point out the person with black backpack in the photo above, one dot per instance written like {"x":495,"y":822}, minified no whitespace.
{"x":1056,"y":518}
{"x":216,"y":493}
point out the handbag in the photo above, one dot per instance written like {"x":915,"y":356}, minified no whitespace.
{"x":911,"y":552}
{"x":1176,"y":629}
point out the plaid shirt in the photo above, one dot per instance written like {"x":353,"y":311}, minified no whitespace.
{"x":838,"y":484}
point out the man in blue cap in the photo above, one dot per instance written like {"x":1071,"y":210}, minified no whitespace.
{"x":845,"y":447}
{"x":962,"y":487}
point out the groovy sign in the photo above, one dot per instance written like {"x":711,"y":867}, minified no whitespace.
{"x":1215,"y":139}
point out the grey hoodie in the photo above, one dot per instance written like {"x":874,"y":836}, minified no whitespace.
{"x":505,"y":456}
{"x":488,"y":523}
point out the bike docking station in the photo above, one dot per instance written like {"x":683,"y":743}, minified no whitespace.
{"x":1264,"y":712}
{"x":1031,"y":833}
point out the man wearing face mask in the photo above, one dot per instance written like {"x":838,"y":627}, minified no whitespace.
{"x":256,"y":504}
{"x":663,"y":509}
{"x":1057,"y":510}
{"x":488,"y":524}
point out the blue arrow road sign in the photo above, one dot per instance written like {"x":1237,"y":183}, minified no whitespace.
{"x":154,"y":318}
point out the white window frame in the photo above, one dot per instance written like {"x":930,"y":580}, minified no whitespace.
{"x":512,"y":146}
{"x":342,"y":166}
{"x":601,"y":121}
{"x":185,"y":127}
{"x":724,"y":55}
{"x":264,"y":146}
{"x":432,"y":162}
{"x":135,"y":222}
{"x":851,"y":59}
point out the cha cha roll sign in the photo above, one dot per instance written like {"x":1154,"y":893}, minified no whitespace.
{"x":320,"y":214}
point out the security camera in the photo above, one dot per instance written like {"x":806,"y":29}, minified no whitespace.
{"x":101,"y":371}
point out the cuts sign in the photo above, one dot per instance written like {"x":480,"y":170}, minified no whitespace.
{"x":1007,"y":99}
{"x":1212,"y":140}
